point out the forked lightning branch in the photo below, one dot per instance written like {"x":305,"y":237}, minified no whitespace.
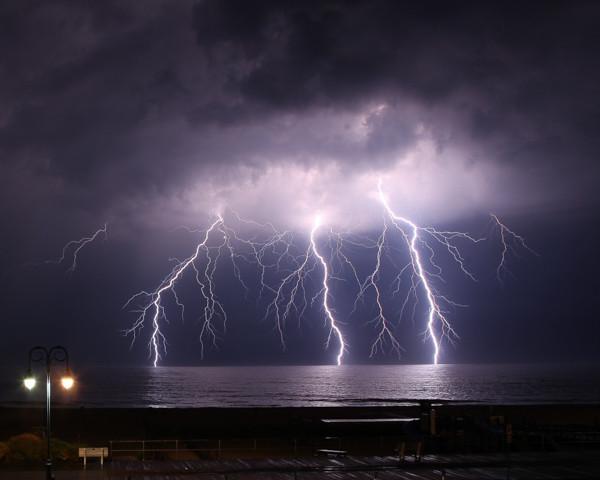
{"x":292,"y":279}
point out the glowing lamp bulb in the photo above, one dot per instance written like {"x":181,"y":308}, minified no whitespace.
{"x":67,"y":382}
{"x":29,"y":382}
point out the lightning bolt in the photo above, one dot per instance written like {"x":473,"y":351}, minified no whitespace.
{"x":290,"y":295}
{"x":269,"y":253}
{"x":294,"y":282}
{"x":155,"y":309}
{"x":334,"y":328}
{"x":437,"y":322}
{"x":383,"y":326}
{"x":508,"y":239}
{"x":78,"y":244}
{"x":438,"y":326}
{"x":285,"y":273}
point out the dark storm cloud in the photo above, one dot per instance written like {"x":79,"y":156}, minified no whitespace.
{"x":522,"y":74}
{"x":311,"y":50}
{"x":113,"y":106}
{"x":84,"y":83}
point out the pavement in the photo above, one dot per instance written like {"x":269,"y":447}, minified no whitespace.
{"x":531,"y":466}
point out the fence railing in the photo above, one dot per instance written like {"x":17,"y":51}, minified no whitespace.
{"x":218,"y":448}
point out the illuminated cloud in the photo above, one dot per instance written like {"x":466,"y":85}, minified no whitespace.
{"x":217,"y":103}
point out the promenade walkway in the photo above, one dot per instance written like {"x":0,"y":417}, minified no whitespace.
{"x":534,"y":466}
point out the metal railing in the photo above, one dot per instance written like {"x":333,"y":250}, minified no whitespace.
{"x":273,"y":446}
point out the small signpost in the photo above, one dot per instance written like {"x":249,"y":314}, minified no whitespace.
{"x":96,"y":452}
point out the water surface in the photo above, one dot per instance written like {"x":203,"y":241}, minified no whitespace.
{"x":300,"y":386}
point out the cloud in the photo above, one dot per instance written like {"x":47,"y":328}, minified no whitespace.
{"x":463,"y":107}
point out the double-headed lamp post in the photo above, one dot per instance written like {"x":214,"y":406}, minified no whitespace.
{"x":47,"y":356}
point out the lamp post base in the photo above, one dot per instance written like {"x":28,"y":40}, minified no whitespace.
{"x":49,"y":475}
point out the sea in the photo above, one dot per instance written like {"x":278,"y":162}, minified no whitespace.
{"x":313,"y":386}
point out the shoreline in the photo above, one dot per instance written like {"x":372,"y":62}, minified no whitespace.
{"x":90,"y":424}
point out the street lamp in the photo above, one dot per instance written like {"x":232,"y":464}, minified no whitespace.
{"x":47,"y":357}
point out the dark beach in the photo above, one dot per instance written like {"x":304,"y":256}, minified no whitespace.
{"x":359,"y":430}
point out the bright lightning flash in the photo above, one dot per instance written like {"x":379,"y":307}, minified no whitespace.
{"x":334,"y":329}
{"x":284,"y":271}
{"x":273,"y":255}
{"x":415,"y":237}
{"x":437,"y":322}
{"x":156,"y":311}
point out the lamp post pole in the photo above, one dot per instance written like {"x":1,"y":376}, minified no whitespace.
{"x":47,"y":357}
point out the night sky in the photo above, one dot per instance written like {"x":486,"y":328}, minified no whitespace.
{"x":156,"y":114}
